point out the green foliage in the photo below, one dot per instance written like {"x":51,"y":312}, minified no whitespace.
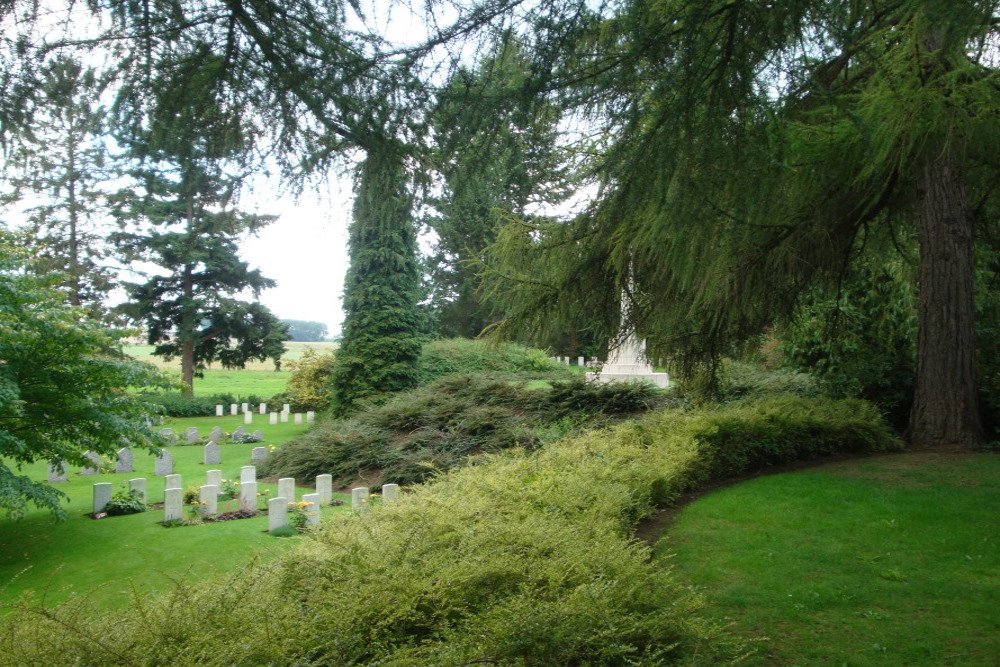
{"x":526,"y":558}
{"x":176,"y":405}
{"x":439,"y":426}
{"x":63,"y":388}
{"x":738,"y":380}
{"x":381,"y":344}
{"x":125,"y":501}
{"x":308,"y":388}
{"x":460,"y":355}
{"x":305,"y":331}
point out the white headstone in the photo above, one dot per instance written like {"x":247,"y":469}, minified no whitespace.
{"x":258,"y":454}
{"x":390,"y":492}
{"x":164,"y":463}
{"x":213,"y":478}
{"x":211,"y":454}
{"x":359,"y":499}
{"x":286,"y":408}
{"x":258,"y":436}
{"x":298,"y":418}
{"x":580,"y":361}
{"x":102,"y":496}
{"x":245,"y":407}
{"x":312,"y":511}
{"x":239,"y":432}
{"x":310,"y":417}
{"x":247,"y":417}
{"x":192,"y":435}
{"x":209,"y":497}
{"x":124,"y":463}
{"x":172,"y":482}
{"x":277,"y":513}
{"x":274,"y":418}
{"x":286,"y":488}
{"x":324,"y":489}
{"x":173,"y":504}
{"x":218,"y":410}
{"x":95,"y":464}
{"x":138,"y":484}
{"x":248,"y":474}
{"x":283,"y":417}
{"x":168,"y":435}
{"x":263,"y":408}
{"x":233,"y":408}
{"x":57,"y":471}
{"x":216,"y":434}
{"x":248,"y":496}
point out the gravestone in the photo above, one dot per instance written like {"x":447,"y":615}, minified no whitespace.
{"x":216,"y":434}
{"x":248,"y":474}
{"x":173,"y":504}
{"x":168,"y":435}
{"x":213,"y":478}
{"x":258,"y":435}
{"x":359,"y":499}
{"x":248,"y":496}
{"x":102,"y":496}
{"x":192,"y":435}
{"x":286,"y":488}
{"x":164,"y":464}
{"x":324,"y":488}
{"x":283,"y":417}
{"x":124,"y":463}
{"x":239,"y":433}
{"x":274,"y":418}
{"x":218,"y":410}
{"x":247,"y":417}
{"x":312,"y":511}
{"x":245,"y":407}
{"x":95,"y":464}
{"x":57,"y":472}
{"x":211,"y":454}
{"x":580,"y":361}
{"x":258,"y":454}
{"x":263,"y":408}
{"x":286,"y":408}
{"x":209,"y":497}
{"x":298,"y":419}
{"x":138,"y":485}
{"x":172,"y":481}
{"x":232,"y":409}
{"x":390,"y":492}
{"x":277,"y":514}
{"x":310,"y":417}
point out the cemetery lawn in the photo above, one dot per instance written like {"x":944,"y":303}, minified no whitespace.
{"x":109,"y":558}
{"x":893,"y":560}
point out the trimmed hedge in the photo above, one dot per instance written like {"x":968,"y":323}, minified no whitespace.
{"x":175,"y":405}
{"x":525,"y":559}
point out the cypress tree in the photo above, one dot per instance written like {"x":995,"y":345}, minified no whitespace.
{"x":381,"y":337}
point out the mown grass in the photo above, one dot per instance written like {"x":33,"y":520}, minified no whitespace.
{"x":293,"y":351}
{"x":108,"y":559}
{"x":892,"y":560}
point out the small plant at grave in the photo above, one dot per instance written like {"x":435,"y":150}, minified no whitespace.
{"x":297,"y":514}
{"x":125,"y":501}
{"x":191,"y":495}
{"x":245,"y":438}
{"x":195,"y":514}
{"x":229,"y":489}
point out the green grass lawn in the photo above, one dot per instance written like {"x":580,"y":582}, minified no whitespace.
{"x":108,"y":558}
{"x":892,"y":560}
{"x":262,"y":384}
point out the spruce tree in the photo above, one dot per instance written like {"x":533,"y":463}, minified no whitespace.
{"x":381,"y":335}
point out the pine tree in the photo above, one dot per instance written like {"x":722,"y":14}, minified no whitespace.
{"x":381,"y":335}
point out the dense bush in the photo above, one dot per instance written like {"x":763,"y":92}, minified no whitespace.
{"x":739,"y":380}
{"x":525,"y":559}
{"x":439,"y":426}
{"x":308,"y":387}
{"x":175,"y":405}
{"x":460,"y":355}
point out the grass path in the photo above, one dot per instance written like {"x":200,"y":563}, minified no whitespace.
{"x":893,"y":560}
{"x":107,"y":559}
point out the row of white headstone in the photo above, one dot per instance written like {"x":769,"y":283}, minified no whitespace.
{"x":275,"y":417}
{"x":580,"y":361}
{"x":163,"y":466}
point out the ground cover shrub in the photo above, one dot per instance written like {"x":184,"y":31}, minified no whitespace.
{"x":125,"y":501}
{"x":175,"y":405}
{"x":527,"y":558}
{"x":308,"y":387}
{"x":460,"y":355}
{"x":740,"y":379}
{"x":438,"y":427}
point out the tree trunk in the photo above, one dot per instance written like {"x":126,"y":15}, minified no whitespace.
{"x":186,"y":334}
{"x":945,"y":406}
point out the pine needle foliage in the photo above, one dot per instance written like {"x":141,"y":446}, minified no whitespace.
{"x":382,"y":327}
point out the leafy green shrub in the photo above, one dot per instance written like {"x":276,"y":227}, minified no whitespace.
{"x":125,"y":501}
{"x":308,"y":387}
{"x":738,"y":380}
{"x":437,"y":427}
{"x":460,"y":355}
{"x":175,"y":405}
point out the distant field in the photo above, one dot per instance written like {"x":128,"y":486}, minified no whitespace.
{"x":292,"y":351}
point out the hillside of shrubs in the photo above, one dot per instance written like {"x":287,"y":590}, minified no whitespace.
{"x":526,"y":558}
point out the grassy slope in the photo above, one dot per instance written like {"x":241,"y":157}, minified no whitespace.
{"x":104,"y":558}
{"x":891,"y":560}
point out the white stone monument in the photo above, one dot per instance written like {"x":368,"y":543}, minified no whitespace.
{"x":310,"y":417}
{"x":324,"y":489}
{"x":274,"y":418}
{"x":312,"y":511}
{"x":212,"y":456}
{"x":102,"y":496}
{"x":298,"y":419}
{"x":213,"y":478}
{"x":359,"y":499}
{"x":164,"y":463}
{"x":138,"y":485}
{"x":390,"y":492}
{"x":248,"y":474}
{"x":277,"y":514}
{"x":258,"y":454}
{"x":248,"y":496}
{"x":173,"y":504}
{"x":218,"y":410}
{"x":172,"y":482}
{"x":95,"y":464}
{"x":247,"y":417}
{"x":263,"y":408}
{"x":124,"y":462}
{"x":286,"y":488}
{"x":233,"y":409}
{"x":209,"y":497}
{"x":57,"y":472}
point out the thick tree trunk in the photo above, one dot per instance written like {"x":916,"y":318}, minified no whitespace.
{"x":945,"y":405}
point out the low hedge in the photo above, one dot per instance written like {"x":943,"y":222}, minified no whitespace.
{"x":527,"y":558}
{"x":175,"y":405}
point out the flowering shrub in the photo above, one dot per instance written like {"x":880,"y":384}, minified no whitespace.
{"x":297,"y":514}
